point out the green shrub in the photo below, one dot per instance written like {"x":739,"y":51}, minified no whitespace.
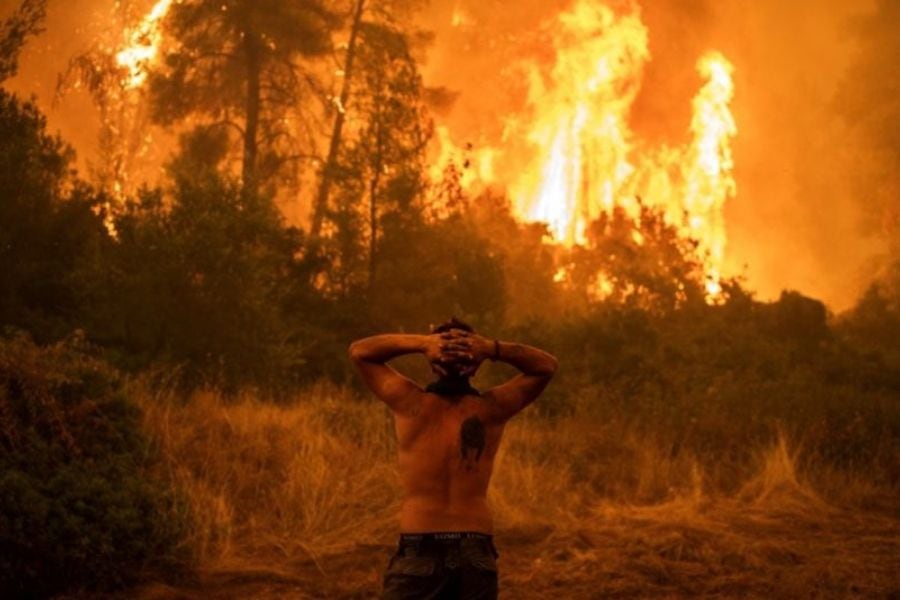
{"x":77,"y":508}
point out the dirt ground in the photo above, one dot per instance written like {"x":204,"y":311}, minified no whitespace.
{"x":788,"y":546}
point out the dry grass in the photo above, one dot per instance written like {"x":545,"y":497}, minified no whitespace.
{"x":300,"y":501}
{"x":265,"y":480}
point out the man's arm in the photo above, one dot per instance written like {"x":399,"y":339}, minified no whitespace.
{"x":371,"y":354}
{"x":537,"y":369}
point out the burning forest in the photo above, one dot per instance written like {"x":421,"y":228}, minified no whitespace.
{"x":676,"y":221}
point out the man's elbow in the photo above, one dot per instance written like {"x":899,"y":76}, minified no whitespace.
{"x":354,"y":351}
{"x":550,"y":367}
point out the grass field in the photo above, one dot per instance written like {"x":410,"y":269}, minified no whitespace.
{"x":299,"y":500}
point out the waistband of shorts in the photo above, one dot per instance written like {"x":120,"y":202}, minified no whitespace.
{"x":443,"y":536}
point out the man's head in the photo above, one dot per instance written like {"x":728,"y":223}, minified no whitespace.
{"x":450,"y":324}
{"x":452,"y":369}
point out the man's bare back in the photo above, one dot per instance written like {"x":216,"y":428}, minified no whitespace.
{"x":446,"y":455}
{"x":447,"y":441}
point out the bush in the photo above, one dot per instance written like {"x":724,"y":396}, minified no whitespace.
{"x":77,"y":510}
{"x":195,"y":288}
{"x":50,"y":225}
{"x":718,"y":381}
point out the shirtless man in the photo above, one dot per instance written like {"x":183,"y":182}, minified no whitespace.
{"x":447,"y":437}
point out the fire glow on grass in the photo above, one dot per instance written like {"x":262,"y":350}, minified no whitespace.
{"x":582,"y":158}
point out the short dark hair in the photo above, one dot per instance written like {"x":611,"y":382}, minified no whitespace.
{"x":452,"y":323}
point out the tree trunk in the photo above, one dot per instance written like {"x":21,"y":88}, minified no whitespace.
{"x":327,"y":176}
{"x":252,"y":105}
{"x":377,"y":167}
{"x":373,"y":225}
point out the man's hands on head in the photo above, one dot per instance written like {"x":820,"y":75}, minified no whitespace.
{"x":447,"y":353}
{"x":467,"y":350}
{"x":452,"y":353}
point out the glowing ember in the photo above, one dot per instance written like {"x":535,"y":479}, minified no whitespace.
{"x":143,"y":45}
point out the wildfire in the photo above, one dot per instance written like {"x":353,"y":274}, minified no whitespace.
{"x":708,"y":169}
{"x":570,"y":155}
{"x":582,"y":158}
{"x":143,"y":45}
{"x":579,"y":123}
{"x":478,"y":165}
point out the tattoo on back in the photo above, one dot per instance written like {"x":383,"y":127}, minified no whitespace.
{"x":471,"y":438}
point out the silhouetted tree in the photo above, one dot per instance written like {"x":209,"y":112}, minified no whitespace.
{"x":381,"y":169}
{"x":196,"y":280}
{"x":363,"y":14}
{"x":641,"y":262}
{"x":49,"y":225}
{"x":26,"y":20}
{"x":326,"y":176}
{"x":236,"y":64}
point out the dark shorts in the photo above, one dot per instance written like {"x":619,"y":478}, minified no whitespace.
{"x":446,"y":565}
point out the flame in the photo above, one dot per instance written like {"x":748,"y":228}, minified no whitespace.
{"x":143,"y":45}
{"x":460,"y":17}
{"x":580,"y":120}
{"x":578,"y":156}
{"x":581,"y":157}
{"x":474,"y":166}
{"x":709,"y":165}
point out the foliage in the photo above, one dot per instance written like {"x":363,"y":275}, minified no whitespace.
{"x":27,"y":20}
{"x":717,"y":378}
{"x":643,"y":263}
{"x":49,"y":224}
{"x":381,"y":170}
{"x":198,"y":284}
{"x":235,"y":64}
{"x":76,"y":509}
{"x":525,"y":265}
{"x":431,"y":269}
{"x":870,"y":328}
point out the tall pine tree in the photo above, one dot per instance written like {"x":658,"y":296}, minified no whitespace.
{"x":238,"y":64}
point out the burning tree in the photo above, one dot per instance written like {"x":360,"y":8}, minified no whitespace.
{"x":365,"y":17}
{"x":113,"y":70}
{"x":569,"y":155}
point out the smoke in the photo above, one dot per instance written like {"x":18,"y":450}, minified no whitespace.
{"x":798,"y":220}
{"x":870,"y":105}
{"x":801,"y":218}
